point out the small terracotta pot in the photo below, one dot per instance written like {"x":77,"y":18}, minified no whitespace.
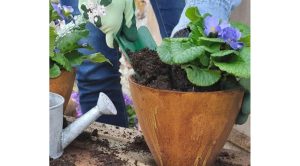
{"x":185,"y":128}
{"x":63,"y":85}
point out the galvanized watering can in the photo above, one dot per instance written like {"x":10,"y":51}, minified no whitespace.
{"x":61,"y":138}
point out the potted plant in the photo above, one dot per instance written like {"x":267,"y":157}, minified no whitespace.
{"x":188,"y":92}
{"x":64,"y":46}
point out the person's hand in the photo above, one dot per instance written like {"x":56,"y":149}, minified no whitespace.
{"x":245,"y":110}
{"x":218,"y":8}
{"x":111,"y":16}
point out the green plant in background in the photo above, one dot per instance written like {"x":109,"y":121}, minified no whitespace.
{"x":130,"y":110}
{"x":65,"y":40}
{"x":131,"y":115}
{"x":215,"y":51}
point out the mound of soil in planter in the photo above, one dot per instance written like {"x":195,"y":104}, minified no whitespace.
{"x":152,"y":72}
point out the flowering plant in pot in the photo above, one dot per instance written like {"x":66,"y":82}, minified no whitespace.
{"x":189,"y":91}
{"x":64,"y":48}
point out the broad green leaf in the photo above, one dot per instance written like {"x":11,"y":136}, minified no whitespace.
{"x":239,"y":65}
{"x":75,"y":58}
{"x":62,"y":60}
{"x":178,"y":39}
{"x":193,"y":14}
{"x":69,"y":42}
{"x":213,"y":40}
{"x":245,"y":29}
{"x":54,"y":71}
{"x":195,"y":33}
{"x":204,"y":60}
{"x":212,"y":49}
{"x":52,"y":38}
{"x":202,"y":77}
{"x":188,"y":55}
{"x":224,"y":53}
{"x":246,"y":40}
{"x":97,"y":58}
{"x":170,"y":47}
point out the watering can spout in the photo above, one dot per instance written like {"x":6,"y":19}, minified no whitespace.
{"x":104,"y":107}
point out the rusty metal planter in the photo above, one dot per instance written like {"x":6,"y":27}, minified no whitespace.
{"x":185,"y":128}
{"x":63,"y":85}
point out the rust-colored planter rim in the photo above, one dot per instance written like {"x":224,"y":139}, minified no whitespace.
{"x":181,"y":92}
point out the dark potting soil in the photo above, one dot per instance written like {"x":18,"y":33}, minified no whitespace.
{"x":152,"y":72}
{"x":224,"y":159}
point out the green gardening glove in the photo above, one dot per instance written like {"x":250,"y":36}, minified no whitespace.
{"x":245,"y":110}
{"x":109,"y":16}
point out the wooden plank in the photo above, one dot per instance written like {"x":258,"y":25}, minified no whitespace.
{"x":239,"y":139}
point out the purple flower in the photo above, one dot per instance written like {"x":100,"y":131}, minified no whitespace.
{"x":57,"y":7}
{"x":210,"y":25}
{"x":224,"y":24}
{"x":127,"y":99}
{"x":231,"y":36}
{"x":56,"y":50}
{"x":67,"y":10}
{"x":62,"y":11}
{"x":75,"y":98}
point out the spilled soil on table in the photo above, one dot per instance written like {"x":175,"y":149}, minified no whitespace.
{"x":77,"y":153}
{"x":152,"y":72}
{"x":138,"y":144}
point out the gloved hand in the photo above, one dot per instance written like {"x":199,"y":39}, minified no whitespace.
{"x":112,"y":17}
{"x":218,"y":8}
{"x":245,"y":110}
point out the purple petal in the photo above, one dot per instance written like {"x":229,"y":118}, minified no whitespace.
{"x":210,"y":25}
{"x":223,"y":25}
{"x":238,"y":34}
{"x":57,"y":8}
{"x":127,"y":100}
{"x":236,"y":45}
{"x":68,"y":9}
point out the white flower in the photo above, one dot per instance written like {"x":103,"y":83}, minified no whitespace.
{"x":62,"y":28}
{"x":95,"y":11}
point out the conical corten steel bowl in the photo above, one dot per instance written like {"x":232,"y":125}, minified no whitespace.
{"x":185,"y":128}
{"x":63,"y":85}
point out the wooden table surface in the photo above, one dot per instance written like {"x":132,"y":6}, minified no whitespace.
{"x":103,"y":144}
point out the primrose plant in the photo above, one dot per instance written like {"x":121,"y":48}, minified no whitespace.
{"x":65,"y":40}
{"x":214,"y":51}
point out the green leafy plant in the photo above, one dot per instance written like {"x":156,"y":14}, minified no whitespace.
{"x":215,"y":50}
{"x":64,"y":40}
